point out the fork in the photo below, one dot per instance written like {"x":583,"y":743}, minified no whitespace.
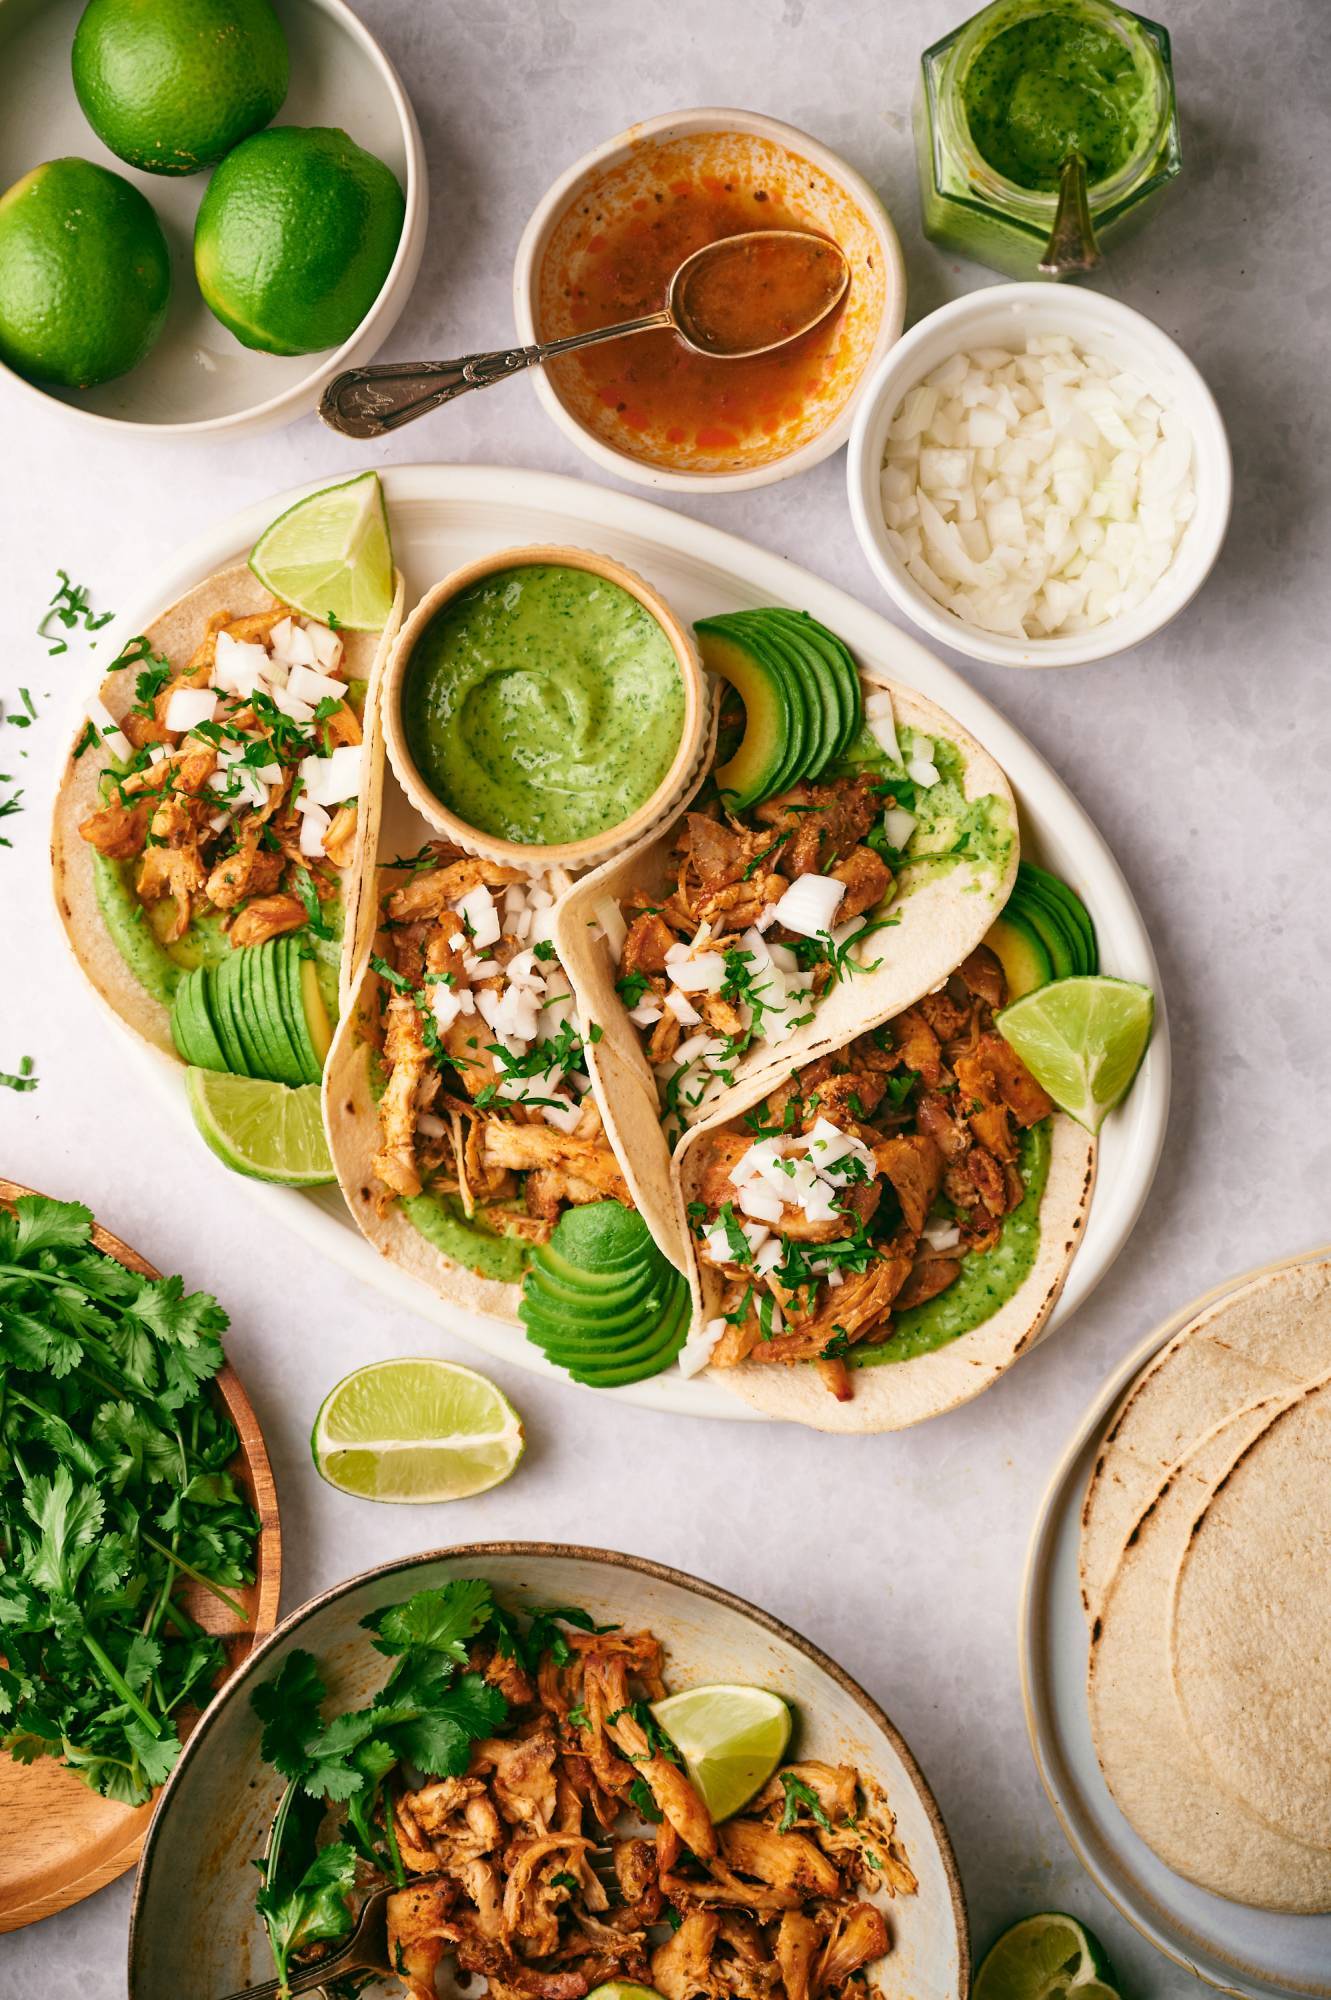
{"x":366,"y":1950}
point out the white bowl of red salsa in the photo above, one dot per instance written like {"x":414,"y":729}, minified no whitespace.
{"x":601,"y":247}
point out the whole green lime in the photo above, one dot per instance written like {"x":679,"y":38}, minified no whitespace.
{"x":85,"y":275}
{"x":295,"y":236}
{"x":172,"y":85}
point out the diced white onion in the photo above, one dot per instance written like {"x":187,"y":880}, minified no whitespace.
{"x":941,"y":1235}
{"x":314,"y":824}
{"x":611,"y":919}
{"x":761,"y":1206}
{"x":186,"y":708}
{"x":327,"y":646}
{"x":331,"y":781}
{"x":704,"y":974}
{"x":1036,"y":492}
{"x":899,"y":825}
{"x":429,"y":1126}
{"x":308,"y":684}
{"x":810,"y":904}
{"x":683,"y":1010}
{"x":564,"y":1117}
{"x":646,"y":1014}
{"x":478,"y":911}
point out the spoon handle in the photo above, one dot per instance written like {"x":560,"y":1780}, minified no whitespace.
{"x":372,"y":402}
{"x":1072,"y":245}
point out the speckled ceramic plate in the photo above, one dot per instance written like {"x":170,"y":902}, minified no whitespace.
{"x":1258,"y":1954}
{"x":445,"y":515}
{"x":193,"y":1931}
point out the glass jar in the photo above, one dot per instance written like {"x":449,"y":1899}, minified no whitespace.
{"x":970,"y":207}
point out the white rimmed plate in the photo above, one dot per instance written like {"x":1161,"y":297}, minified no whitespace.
{"x":443,"y":516}
{"x":198,"y":380}
{"x":1257,"y":1954}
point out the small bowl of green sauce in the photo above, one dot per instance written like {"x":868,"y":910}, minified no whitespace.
{"x":544,"y":706}
{"x":1007,"y":96}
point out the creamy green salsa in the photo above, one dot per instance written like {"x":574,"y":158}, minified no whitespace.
{"x":1053,"y":81}
{"x":986,"y":1281}
{"x":950,"y":828}
{"x":158,"y":966}
{"x":440,"y":1220}
{"x":543,"y":705}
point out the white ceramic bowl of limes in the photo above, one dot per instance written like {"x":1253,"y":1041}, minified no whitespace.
{"x":198,"y":380}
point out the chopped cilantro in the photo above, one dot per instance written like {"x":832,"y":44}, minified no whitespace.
{"x":24,"y":1080}
{"x":67,"y":607}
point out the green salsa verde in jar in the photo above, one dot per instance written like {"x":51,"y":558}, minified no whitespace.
{"x":1005,"y":98}
{"x":544,"y":705}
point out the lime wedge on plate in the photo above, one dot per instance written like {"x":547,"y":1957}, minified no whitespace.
{"x":416,"y":1429}
{"x":270,"y":1131}
{"x":1046,"y":1958}
{"x":1083,"y":1039}
{"x":731,"y":1740}
{"x":332,"y":556}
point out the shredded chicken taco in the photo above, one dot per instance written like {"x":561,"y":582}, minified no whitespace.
{"x":460,"y":1110}
{"x":884,"y":1229}
{"x":220,"y":795}
{"x":740,"y":941}
{"x":565,"y":1845}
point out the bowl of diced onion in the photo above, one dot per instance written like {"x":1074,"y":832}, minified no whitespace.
{"x":1039,"y":476}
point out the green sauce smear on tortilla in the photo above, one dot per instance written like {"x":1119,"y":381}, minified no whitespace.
{"x":440,"y":1220}
{"x":951,"y":829}
{"x":158,"y":966}
{"x":986,"y":1282}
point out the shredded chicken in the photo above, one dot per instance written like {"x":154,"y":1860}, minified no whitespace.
{"x":462,"y":1112}
{"x":937,"y":1100}
{"x":521,"y":1870}
{"x":201,"y":844}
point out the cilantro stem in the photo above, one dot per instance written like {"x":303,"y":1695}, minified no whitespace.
{"x":197,"y":1574}
{"x":390,"y":1831}
{"x":115,"y":1679}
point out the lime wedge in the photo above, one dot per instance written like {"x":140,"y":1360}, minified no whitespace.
{"x":1083,"y":1039}
{"x":1044,"y":1958}
{"x":416,"y":1429}
{"x":269,"y":1131}
{"x":332,"y":556}
{"x":731,"y":1740}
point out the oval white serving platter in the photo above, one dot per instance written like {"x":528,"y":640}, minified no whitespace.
{"x":445,"y":515}
{"x":1256,"y":1954}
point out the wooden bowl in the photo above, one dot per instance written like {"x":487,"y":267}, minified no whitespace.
{"x":60,"y":1841}
{"x":576,"y":854}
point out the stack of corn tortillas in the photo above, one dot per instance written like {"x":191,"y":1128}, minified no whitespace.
{"x":1206,"y":1579}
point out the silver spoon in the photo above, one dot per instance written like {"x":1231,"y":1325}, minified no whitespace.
{"x":1072,"y":245}
{"x":371,"y":402}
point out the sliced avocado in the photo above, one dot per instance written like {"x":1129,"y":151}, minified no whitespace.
{"x":563,"y":1271}
{"x":775,"y":728}
{"x":835,"y":659}
{"x":1039,"y":884}
{"x":254,"y":1025}
{"x":233,"y":982}
{"x":269,"y":995}
{"x":586,"y":1322}
{"x":1020,"y":951}
{"x":1047,"y":920}
{"x":220,"y":981}
{"x":303,"y":1010}
{"x":192,"y":1028}
{"x":614,"y":1374}
{"x":599,"y":1236}
{"x":822,"y":689}
{"x":628,"y":1344}
{"x":559,"y":1291}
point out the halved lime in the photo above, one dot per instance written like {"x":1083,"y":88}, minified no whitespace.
{"x":1083,"y":1039}
{"x":332,"y":555}
{"x":1044,"y":1958}
{"x":731,"y":1740}
{"x":269,"y":1131}
{"x":417,"y":1429}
